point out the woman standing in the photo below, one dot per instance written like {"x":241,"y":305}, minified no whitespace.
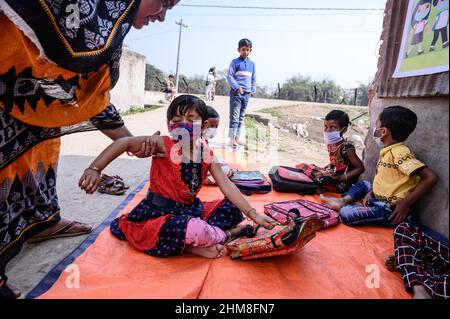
{"x":59,"y":62}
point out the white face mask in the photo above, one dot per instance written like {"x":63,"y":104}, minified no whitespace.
{"x":211,"y":132}
{"x":377,"y":139}
{"x":332,"y":137}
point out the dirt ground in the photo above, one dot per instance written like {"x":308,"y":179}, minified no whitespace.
{"x":299,"y":138}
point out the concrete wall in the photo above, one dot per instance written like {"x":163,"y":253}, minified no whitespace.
{"x":129,"y":90}
{"x":430,"y":143}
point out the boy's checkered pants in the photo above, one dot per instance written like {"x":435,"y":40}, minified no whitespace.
{"x":422,"y":260}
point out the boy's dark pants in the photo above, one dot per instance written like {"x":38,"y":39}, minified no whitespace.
{"x":238,"y":105}
{"x":421,"y":260}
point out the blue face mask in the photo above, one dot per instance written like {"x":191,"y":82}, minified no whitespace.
{"x":419,"y":16}
{"x":442,"y":5}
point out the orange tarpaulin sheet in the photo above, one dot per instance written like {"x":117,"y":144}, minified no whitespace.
{"x":340,"y":262}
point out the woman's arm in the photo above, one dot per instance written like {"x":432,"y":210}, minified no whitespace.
{"x":233,"y":194}
{"x":358,"y":166}
{"x":90,"y":180}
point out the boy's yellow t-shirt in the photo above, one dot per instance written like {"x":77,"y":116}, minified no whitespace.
{"x":393,"y":181}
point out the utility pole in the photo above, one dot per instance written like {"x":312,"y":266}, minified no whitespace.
{"x":182,"y":25}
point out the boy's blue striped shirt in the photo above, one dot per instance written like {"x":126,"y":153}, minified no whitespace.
{"x":242,"y":74}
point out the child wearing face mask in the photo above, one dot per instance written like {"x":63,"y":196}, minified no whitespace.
{"x":171,"y":219}
{"x":345,"y":167}
{"x":211,"y":132}
{"x":400,"y":179}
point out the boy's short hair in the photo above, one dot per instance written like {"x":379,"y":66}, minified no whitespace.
{"x":399,"y":120}
{"x":171,"y":76}
{"x":212,"y":113}
{"x":184,"y":103}
{"x":338,"y":116}
{"x":245,"y":43}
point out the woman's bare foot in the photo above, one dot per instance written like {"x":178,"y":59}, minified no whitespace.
{"x":390,"y":263}
{"x":332,"y":202}
{"x":421,"y":293}
{"x":216,"y":251}
{"x":15,"y":290}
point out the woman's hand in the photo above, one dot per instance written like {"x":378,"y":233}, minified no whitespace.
{"x":89,"y":181}
{"x":146,"y":148}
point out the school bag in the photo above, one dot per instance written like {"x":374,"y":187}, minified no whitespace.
{"x":283,"y":212}
{"x":291,"y":180}
{"x":251,"y":182}
{"x":280,"y":240}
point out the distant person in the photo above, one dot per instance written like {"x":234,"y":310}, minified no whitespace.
{"x":170,"y":88}
{"x":210,"y":83}
{"x":242,"y":79}
{"x":345,"y":166}
{"x":400,"y":180}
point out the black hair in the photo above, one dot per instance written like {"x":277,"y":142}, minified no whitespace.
{"x":421,"y":2}
{"x":338,"y":116}
{"x":245,"y":43}
{"x":212,"y":113}
{"x":399,"y":120}
{"x":435,"y":2}
{"x":171,"y":76}
{"x":184,"y":103}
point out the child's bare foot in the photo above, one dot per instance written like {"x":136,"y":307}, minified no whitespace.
{"x":334,"y":203}
{"x":215,"y":251}
{"x":390,"y":263}
{"x":421,"y":293}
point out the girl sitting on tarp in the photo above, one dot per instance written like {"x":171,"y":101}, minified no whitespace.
{"x":345,"y":167}
{"x":171,"y":219}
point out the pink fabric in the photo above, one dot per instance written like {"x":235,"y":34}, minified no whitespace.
{"x":201,"y":234}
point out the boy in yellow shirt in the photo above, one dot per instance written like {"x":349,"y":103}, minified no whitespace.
{"x":400,"y":180}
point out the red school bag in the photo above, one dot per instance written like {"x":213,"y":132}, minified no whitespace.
{"x":283,"y":212}
{"x":280,"y":240}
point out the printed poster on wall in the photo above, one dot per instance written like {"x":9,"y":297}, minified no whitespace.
{"x":424,"y":49}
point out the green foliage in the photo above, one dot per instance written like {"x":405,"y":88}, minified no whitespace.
{"x":272,"y":111}
{"x":135,"y":109}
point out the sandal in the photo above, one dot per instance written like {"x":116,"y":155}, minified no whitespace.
{"x":111,"y":187}
{"x":68,"y":230}
{"x":117,"y":178}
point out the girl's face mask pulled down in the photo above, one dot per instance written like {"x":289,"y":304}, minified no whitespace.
{"x":185,"y":133}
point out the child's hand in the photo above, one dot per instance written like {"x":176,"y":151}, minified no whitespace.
{"x":89,"y":181}
{"x":264,"y":221}
{"x":146,"y":148}
{"x":400,"y":213}
{"x":241,"y":91}
{"x":366,"y":199}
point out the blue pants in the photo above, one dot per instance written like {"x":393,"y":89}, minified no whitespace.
{"x":355,"y":215}
{"x":238,"y":105}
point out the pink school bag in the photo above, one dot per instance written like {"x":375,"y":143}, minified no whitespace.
{"x":283,"y":212}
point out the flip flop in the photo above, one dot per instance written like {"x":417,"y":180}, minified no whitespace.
{"x":111,"y":187}
{"x":68,"y":230}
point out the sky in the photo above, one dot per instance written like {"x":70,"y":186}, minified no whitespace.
{"x":340,"y":45}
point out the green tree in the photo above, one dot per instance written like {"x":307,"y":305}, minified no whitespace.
{"x":151,"y":75}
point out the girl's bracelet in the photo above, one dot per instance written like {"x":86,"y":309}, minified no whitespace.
{"x":95,"y":168}
{"x":249,"y":213}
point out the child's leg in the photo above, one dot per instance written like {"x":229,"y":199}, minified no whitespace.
{"x":357,"y":215}
{"x":235,"y":110}
{"x":207,"y":240}
{"x":245,"y":98}
{"x":412,"y":250}
{"x":356,"y":192}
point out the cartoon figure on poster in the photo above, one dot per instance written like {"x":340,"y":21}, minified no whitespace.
{"x":419,"y":21}
{"x":424,"y":47}
{"x":440,"y":27}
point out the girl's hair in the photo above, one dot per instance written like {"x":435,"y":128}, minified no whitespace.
{"x":184,"y":103}
{"x":338,"y":116}
{"x":212,"y":113}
